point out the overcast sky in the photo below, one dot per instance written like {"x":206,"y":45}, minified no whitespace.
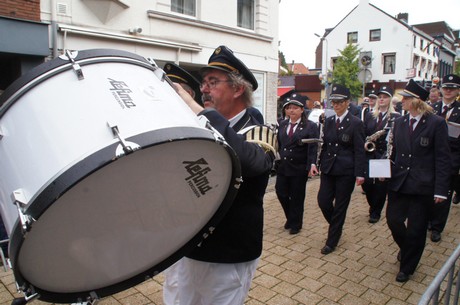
{"x":309,"y":17}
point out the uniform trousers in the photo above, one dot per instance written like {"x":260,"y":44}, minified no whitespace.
{"x":376,"y":195}
{"x":192,"y":282}
{"x":410,"y":236}
{"x":339,"y":188}
{"x":439,"y":212}
{"x":290,"y":191}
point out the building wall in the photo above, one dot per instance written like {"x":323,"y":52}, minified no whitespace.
{"x":168,"y":36}
{"x":22,"y":9}
{"x":396,"y":37}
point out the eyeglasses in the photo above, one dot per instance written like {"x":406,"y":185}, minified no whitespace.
{"x":337,"y":102}
{"x":213,"y":83}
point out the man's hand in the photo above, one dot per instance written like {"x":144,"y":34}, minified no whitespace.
{"x":188,"y":99}
{"x":313,"y":171}
{"x":359,"y":181}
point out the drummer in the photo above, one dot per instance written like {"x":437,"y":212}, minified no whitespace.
{"x":221,"y":268}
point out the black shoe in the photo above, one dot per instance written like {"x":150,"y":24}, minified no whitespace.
{"x":455,"y":199}
{"x":294,"y":231}
{"x":373,"y":219}
{"x":398,"y":257}
{"x":286,"y":226}
{"x":435,"y":236}
{"x":402,"y":277}
{"x":326,"y":250}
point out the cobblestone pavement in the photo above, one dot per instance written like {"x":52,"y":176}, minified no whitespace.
{"x":361,"y":270}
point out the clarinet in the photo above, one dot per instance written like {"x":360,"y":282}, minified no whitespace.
{"x":389,"y":151}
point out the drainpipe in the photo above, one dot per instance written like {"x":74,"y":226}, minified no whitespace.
{"x":54,"y":28}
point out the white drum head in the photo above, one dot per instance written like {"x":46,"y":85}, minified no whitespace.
{"x":125,"y":218}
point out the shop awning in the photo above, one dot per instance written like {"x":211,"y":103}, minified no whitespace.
{"x":283,"y":90}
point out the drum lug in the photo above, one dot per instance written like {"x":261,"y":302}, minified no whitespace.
{"x":128,"y":147}
{"x":159,"y":72}
{"x":29,"y":295}
{"x":93,"y":299}
{"x":70,"y":56}
{"x":238,"y":182}
{"x":19,"y":199}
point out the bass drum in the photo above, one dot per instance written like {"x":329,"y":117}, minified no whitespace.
{"x":106,"y":176}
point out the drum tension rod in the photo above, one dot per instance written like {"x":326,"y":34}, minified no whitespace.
{"x":19,"y":199}
{"x":126,"y":148}
{"x":76,"y":67}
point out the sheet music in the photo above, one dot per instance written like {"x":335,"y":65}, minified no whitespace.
{"x":379,"y":168}
{"x":454,"y":129}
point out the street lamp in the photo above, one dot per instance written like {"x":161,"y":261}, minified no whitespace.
{"x":324,"y":67}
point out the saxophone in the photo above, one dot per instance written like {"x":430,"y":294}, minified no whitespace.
{"x":369,"y":145}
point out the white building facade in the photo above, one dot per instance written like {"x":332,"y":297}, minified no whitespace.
{"x":185,"y":32}
{"x":396,"y":50}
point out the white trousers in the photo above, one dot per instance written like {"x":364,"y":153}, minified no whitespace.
{"x":192,"y":282}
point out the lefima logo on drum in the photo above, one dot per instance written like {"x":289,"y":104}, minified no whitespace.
{"x":197,"y":180}
{"x":120,"y":91}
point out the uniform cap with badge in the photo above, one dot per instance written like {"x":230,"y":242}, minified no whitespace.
{"x":386,"y":90}
{"x":413,"y":89}
{"x":339,"y":92}
{"x":451,"y":81}
{"x":178,"y":75}
{"x":373,"y":94}
{"x":295,"y":99}
{"x":223,"y":59}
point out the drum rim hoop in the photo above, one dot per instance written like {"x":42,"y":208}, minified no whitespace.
{"x":106,"y":154}
{"x":47,"y":70}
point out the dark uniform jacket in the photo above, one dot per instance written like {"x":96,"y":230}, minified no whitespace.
{"x":342,"y":151}
{"x":421,"y":161}
{"x":238,"y":237}
{"x":454,"y":143}
{"x":296,"y":157}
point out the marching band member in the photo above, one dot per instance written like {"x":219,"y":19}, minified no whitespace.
{"x":368,"y":105}
{"x":449,"y":109}
{"x":382,"y":117}
{"x":220,"y":269}
{"x":297,"y":160}
{"x":420,"y":174}
{"x":342,"y":162}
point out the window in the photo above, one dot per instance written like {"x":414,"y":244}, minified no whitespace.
{"x":186,"y":7}
{"x":374,"y":35}
{"x":421,"y":44}
{"x":246,"y":14}
{"x":389,"y":63}
{"x":352,"y":37}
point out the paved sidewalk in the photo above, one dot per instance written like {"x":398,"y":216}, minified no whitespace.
{"x":361,"y":270}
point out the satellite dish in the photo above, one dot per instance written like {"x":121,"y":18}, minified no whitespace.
{"x":365,"y":75}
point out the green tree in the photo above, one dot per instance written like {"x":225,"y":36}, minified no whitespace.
{"x":457,"y":67}
{"x":346,"y":70}
{"x":282,"y":61}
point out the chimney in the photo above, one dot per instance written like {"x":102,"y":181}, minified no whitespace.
{"x":403,"y":17}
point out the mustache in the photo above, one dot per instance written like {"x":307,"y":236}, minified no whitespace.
{"x":206,"y":97}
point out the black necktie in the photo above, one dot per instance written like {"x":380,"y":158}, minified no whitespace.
{"x":379,"y":123}
{"x":337,"y":123}
{"x":291,"y":130}
{"x":445,"y":109}
{"x":411,"y":125}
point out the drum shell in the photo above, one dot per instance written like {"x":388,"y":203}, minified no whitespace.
{"x":58,"y":131}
